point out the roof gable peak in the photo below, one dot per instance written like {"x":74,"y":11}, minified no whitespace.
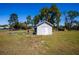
{"x":44,"y":21}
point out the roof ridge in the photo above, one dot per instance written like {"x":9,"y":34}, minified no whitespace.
{"x":44,"y":22}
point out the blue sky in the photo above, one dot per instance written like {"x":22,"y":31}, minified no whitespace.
{"x":25,"y":9}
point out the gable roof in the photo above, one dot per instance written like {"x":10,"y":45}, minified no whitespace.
{"x":44,"y":22}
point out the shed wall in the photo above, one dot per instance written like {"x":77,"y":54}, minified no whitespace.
{"x":44,"y":29}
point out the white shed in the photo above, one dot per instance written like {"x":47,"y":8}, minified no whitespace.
{"x":44,"y":28}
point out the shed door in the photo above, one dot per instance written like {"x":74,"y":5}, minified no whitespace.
{"x":45,"y":31}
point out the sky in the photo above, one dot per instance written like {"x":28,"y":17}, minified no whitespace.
{"x":32,"y":9}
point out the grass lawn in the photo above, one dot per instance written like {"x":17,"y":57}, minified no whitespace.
{"x":19,"y":42}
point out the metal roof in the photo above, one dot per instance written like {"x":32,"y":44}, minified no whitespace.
{"x":44,"y":22}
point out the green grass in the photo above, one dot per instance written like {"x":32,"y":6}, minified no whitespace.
{"x":19,"y":42}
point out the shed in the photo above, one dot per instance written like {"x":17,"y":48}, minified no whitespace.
{"x":44,"y":28}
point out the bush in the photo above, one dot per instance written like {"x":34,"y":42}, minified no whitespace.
{"x":61,"y":28}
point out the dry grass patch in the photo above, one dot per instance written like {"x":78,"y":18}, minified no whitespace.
{"x":19,"y":42}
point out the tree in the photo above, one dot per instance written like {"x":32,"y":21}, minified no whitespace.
{"x":36,"y":19}
{"x":55,"y":15}
{"x":29,"y":21}
{"x":71,"y":15}
{"x":13,"y":21}
{"x":44,"y":13}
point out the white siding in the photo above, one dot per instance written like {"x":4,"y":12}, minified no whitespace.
{"x":44,"y":29}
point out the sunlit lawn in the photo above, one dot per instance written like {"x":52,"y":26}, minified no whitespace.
{"x":19,"y":42}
